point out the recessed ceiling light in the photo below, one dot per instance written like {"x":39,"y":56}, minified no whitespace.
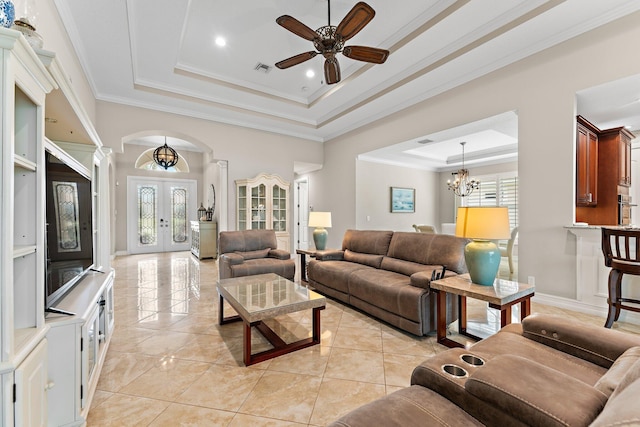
{"x":221,"y":41}
{"x":310,"y":73}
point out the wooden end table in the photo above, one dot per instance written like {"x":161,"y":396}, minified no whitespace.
{"x":501,"y":296}
{"x":303,"y":261}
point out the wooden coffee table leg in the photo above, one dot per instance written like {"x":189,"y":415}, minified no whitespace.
{"x":246,"y":346}
{"x":525,"y":308}
{"x":221,"y":311}
{"x":316,"y":324}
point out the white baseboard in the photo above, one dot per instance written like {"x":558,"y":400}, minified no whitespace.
{"x":122,"y":253}
{"x":581,"y":307}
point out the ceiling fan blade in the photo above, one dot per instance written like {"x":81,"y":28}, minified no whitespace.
{"x":295,"y":60}
{"x":366,"y":54}
{"x":297,"y":27}
{"x":331,"y":70}
{"x":356,"y":19}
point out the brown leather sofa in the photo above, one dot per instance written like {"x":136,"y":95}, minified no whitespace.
{"x":387,"y":275}
{"x":251,"y":252}
{"x":548,"y":371}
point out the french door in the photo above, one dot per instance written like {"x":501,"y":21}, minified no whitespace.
{"x":159,"y":214}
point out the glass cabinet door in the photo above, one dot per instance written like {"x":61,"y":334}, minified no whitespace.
{"x":242,"y":207}
{"x":258,"y":207}
{"x":279,"y":208}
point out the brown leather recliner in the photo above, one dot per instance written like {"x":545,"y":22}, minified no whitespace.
{"x":251,"y":252}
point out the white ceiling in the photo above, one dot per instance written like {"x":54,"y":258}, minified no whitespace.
{"x":162,"y":55}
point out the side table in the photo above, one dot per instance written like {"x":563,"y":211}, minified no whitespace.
{"x":303,"y":261}
{"x":501,"y":296}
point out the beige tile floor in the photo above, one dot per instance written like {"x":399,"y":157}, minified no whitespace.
{"x":170,"y":364}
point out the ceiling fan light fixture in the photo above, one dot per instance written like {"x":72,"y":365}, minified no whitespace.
{"x":329,"y":40}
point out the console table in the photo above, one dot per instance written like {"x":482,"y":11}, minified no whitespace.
{"x":204,"y":239}
{"x":501,"y":296}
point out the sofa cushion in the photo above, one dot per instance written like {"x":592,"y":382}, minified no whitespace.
{"x":366,"y":259}
{"x":620,"y":368}
{"x":260,"y":253}
{"x":389,"y":291}
{"x":422,"y":279}
{"x":516,"y":344}
{"x":411,"y":406}
{"x":429,"y":249}
{"x":534,"y":393}
{"x":621,"y":409}
{"x":633,"y":375}
{"x":334,"y":274}
{"x":367,"y":241}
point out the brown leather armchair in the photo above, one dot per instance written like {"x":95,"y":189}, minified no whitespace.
{"x":251,"y":252}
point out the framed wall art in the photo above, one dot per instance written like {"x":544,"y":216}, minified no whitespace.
{"x":403,"y":199}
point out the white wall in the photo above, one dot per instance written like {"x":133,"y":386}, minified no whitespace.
{"x":542,"y":91}
{"x":247,"y":151}
{"x":125,"y":166}
{"x":49,"y":26}
{"x":373,"y":182}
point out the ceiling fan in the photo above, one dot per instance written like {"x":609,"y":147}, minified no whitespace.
{"x":329,"y":40}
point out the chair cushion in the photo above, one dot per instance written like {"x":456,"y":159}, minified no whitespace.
{"x":260,"y":253}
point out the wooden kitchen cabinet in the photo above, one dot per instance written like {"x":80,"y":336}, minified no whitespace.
{"x":586,"y":163}
{"x":611,"y":166}
{"x":617,"y":143}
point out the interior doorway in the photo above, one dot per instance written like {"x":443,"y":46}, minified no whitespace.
{"x":301,"y":213}
{"x":160,"y":211}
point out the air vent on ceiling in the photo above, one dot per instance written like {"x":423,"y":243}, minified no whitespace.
{"x":425,"y":141}
{"x":262,"y":67}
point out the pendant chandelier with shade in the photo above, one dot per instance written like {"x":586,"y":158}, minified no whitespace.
{"x":165,"y":156}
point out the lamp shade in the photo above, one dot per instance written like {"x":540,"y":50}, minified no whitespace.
{"x":320,"y":219}
{"x":483,"y":223}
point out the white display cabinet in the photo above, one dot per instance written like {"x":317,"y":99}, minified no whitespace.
{"x":263,"y":203}
{"x":32,"y":348}
{"x":77,"y":347}
{"x":24,"y":83}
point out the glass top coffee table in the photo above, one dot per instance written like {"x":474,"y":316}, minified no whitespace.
{"x":265,"y":296}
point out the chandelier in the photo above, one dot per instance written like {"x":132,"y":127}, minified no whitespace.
{"x":463,"y":185}
{"x":165,"y":156}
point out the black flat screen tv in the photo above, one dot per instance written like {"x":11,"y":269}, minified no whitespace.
{"x":69,"y":228}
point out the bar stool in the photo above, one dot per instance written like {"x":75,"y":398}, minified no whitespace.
{"x":621,"y":250}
